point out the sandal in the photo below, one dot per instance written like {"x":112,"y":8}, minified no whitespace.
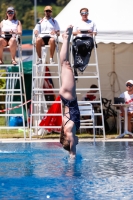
{"x":1,"y":62}
{"x":14,"y":62}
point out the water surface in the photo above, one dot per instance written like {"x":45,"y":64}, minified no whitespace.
{"x":45,"y":171}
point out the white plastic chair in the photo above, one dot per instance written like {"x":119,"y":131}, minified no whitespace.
{"x":86,"y":109}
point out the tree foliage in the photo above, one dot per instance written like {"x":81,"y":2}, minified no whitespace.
{"x":62,"y":2}
{"x":28,"y":19}
{"x":3,"y":8}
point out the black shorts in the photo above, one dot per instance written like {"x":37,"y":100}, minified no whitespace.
{"x":7,"y":38}
{"x":46,"y":40}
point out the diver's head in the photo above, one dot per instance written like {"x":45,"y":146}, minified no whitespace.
{"x":65,"y":141}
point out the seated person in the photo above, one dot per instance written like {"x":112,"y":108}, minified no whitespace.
{"x":90,"y":96}
{"x":128,"y":96}
{"x":83,"y":42}
{"x":50,"y":27}
{"x":9,"y":27}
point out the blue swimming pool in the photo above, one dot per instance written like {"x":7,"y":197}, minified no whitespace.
{"x":39,"y":171}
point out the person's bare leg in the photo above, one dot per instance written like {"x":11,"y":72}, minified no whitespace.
{"x":52,"y":47}
{"x":68,"y":88}
{"x":64,"y":53}
{"x":39,"y":44}
{"x":13,"y":46}
{"x":3,"y":43}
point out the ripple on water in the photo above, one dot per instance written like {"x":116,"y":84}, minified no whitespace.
{"x":102,"y":171}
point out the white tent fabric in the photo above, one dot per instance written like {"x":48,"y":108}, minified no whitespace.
{"x":114,"y":21}
{"x":113,"y":18}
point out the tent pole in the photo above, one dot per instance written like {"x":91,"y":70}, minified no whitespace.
{"x":113,"y":85}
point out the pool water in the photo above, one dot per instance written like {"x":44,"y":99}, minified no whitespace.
{"x":101,"y":171}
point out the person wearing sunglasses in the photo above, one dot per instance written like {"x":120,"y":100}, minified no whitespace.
{"x":9,"y":28}
{"x":85,"y":27}
{"x":83,"y":41}
{"x":128,"y":97}
{"x":46,"y":31}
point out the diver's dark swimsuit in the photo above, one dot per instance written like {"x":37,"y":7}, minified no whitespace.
{"x":73,"y":111}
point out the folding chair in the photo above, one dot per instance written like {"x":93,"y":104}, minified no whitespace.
{"x":86,"y":109}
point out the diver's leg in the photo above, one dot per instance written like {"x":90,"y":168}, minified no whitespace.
{"x":67,"y":89}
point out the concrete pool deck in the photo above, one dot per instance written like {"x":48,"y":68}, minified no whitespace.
{"x":21,"y":140}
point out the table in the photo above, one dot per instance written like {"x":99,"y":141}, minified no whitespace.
{"x":126,"y":132}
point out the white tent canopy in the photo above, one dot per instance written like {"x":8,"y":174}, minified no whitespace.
{"x":113,"y":18}
{"x":114,"y":21}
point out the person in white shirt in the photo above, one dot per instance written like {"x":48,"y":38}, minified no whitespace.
{"x":85,"y":27}
{"x":83,"y":41}
{"x":51,"y":29}
{"x":9,"y":28}
{"x":128,"y":97}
